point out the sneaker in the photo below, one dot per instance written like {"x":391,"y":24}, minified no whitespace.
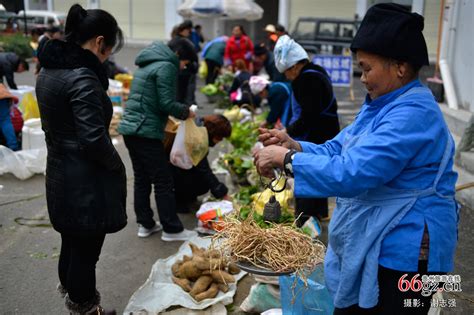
{"x":181,"y":236}
{"x":144,"y":232}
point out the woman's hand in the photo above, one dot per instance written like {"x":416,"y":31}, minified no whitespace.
{"x":277,"y":137}
{"x":269,"y":158}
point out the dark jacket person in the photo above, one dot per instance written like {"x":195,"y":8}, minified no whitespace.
{"x":152,"y":98}
{"x":85,"y":177}
{"x":317,"y":120}
{"x":9,"y":64}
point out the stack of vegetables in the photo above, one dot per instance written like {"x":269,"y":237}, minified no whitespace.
{"x":217,"y":91}
{"x":204,"y":274}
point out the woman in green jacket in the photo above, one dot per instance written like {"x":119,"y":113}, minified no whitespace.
{"x":152,"y":98}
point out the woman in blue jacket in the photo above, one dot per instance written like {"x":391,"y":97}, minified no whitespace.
{"x":392,"y":171}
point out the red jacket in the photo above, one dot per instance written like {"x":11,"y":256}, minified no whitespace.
{"x":235,"y":50}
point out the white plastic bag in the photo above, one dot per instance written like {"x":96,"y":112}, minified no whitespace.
{"x":22,"y":164}
{"x":179,"y":156}
{"x":159,"y":292}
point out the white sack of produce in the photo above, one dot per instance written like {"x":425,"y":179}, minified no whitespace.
{"x":159,"y":292}
{"x":22,"y":164}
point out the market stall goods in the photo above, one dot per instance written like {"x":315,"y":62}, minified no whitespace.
{"x":204,"y":274}
{"x":279,"y":248}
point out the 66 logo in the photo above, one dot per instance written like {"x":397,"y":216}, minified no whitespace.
{"x":430,"y":284}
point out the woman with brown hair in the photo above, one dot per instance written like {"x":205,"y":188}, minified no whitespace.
{"x":200,"y":179}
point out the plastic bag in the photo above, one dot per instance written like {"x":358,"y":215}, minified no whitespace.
{"x":196,"y":141}
{"x":30,"y":106}
{"x":211,"y":214}
{"x":202,"y":70}
{"x":261,"y":298}
{"x":159,"y":292}
{"x":179,"y":156}
{"x":313,"y":299}
{"x":22,"y":164}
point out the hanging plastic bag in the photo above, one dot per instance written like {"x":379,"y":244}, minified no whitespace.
{"x":202,"y":70}
{"x":179,"y":156}
{"x":298,"y":300}
{"x":196,"y":141}
{"x":30,"y":106}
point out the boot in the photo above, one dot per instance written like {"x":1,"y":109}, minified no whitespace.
{"x":91,"y":307}
{"x":61,"y":290}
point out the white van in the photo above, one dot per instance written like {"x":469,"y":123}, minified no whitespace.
{"x":41,"y":19}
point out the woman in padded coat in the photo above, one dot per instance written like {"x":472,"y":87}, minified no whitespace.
{"x":85,"y":177}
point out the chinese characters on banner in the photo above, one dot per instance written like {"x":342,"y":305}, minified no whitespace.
{"x":339,"y":68}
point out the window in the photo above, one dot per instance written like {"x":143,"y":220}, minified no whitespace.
{"x":347,"y":30}
{"x":327,"y":29}
{"x":305,"y":30}
{"x":38,"y":20}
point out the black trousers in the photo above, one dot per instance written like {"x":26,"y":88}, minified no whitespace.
{"x":189,"y":184}
{"x":151,"y":167}
{"x":191,"y":90}
{"x":212,"y":71}
{"x":391,"y":299}
{"x":76,"y":267}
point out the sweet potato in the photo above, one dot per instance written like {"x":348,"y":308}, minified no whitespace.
{"x":197,"y":251}
{"x":206,"y":272}
{"x":175,"y":268}
{"x":185,"y":284}
{"x":223,"y":287}
{"x":213,"y":253}
{"x":217,"y":264}
{"x":209,"y":294}
{"x":221,"y":276}
{"x":233,"y":269}
{"x":201,"y":263}
{"x":201,"y":285}
{"x":188,"y":270}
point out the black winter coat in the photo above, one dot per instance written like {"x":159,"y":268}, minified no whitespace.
{"x":314,"y":94}
{"x":85,"y":177}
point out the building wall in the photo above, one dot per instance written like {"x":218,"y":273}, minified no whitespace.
{"x":460,"y":58}
{"x":64,"y":5}
{"x":120,"y":10}
{"x":149,"y":19}
{"x":432,"y":10}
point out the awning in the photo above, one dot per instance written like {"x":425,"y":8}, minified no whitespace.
{"x":224,"y":9}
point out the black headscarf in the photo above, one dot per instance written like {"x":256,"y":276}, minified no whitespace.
{"x":390,"y":30}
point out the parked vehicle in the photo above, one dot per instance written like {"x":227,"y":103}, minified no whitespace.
{"x":325,"y":35}
{"x":40,"y":19}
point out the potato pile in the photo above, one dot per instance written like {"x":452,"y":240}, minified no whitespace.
{"x":204,"y":274}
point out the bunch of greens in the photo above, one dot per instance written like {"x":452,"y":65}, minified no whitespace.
{"x":244,"y":196}
{"x":225,"y":80}
{"x":244,"y":135}
{"x":210,"y":89}
{"x":237,"y":162}
{"x":285,"y":218}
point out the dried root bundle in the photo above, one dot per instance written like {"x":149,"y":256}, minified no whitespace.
{"x":280,"y":248}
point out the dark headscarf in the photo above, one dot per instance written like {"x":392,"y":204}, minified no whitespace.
{"x":390,"y":30}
